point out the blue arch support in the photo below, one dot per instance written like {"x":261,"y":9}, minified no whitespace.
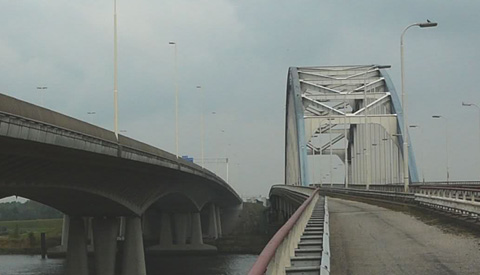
{"x":397,"y":108}
{"x":296,"y":168}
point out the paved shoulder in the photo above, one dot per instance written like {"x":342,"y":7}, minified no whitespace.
{"x":367,"y":239}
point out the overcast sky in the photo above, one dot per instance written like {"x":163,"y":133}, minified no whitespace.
{"x":239,"y":52}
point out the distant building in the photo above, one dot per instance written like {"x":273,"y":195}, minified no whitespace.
{"x":258,"y":199}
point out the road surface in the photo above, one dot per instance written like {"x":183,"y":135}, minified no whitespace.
{"x":368,"y":239}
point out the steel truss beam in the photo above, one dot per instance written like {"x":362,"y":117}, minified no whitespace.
{"x":356,"y":105}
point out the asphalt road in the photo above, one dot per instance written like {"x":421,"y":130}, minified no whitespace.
{"x":368,"y":239}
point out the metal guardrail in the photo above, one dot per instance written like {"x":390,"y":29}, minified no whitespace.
{"x":275,"y":255}
{"x":325,"y":264}
{"x":391,"y":195}
{"x":457,"y":200}
{"x":461,"y":198}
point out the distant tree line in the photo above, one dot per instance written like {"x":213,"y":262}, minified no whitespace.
{"x":29,"y":210}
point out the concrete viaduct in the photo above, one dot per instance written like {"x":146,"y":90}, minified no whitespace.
{"x":109,"y":187}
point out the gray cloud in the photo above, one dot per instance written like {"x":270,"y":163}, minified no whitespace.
{"x":239,"y":51}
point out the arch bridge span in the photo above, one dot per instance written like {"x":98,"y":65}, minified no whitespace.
{"x":344,"y":114}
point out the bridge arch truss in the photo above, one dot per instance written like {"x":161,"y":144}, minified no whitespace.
{"x":347,"y":112}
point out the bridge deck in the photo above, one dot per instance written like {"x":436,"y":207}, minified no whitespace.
{"x":367,"y":239}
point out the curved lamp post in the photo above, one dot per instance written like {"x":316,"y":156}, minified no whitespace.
{"x":427,"y":24}
{"x":176,"y":98}
{"x":478,"y":108}
{"x":446,"y":142}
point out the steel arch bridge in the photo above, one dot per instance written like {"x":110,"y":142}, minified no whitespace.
{"x":348,"y":112}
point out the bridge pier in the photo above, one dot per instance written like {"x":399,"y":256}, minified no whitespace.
{"x":165,"y":230}
{"x":197,"y":238}
{"x":133,"y":254}
{"x":77,"y":263}
{"x":65,"y":229}
{"x":187,"y":237}
{"x":181,"y":227}
{"x":105,"y":232}
{"x":219,"y":221}
{"x":213,"y":226}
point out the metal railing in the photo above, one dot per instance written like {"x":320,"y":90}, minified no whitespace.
{"x":325,"y":263}
{"x":371,"y":193}
{"x":462,"y":201}
{"x":276,"y":254}
{"x":459,"y":198}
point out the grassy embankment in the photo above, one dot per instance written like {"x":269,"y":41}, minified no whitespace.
{"x":23,"y":237}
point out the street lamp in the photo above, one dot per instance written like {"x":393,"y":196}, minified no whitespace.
{"x":202,"y":125}
{"x":387,"y":169}
{"x":446,"y":141}
{"x":176,"y":98}
{"x":478,"y":108}
{"x":115,"y":71}
{"x":421,"y":151}
{"x":427,"y":24}
{"x":40,"y":88}
{"x":91,"y":114}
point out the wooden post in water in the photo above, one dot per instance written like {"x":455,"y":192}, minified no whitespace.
{"x":43,"y":244}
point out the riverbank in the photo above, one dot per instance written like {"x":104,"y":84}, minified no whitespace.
{"x":23,"y":237}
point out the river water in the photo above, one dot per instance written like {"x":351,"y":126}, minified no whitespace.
{"x":198,"y":265}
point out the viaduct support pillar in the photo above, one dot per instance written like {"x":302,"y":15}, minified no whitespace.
{"x":105,"y":233}
{"x":212,"y":226}
{"x":133,"y":254}
{"x":165,"y":230}
{"x":196,"y":229}
{"x":77,"y":248}
{"x":65,"y":229}
{"x":219,"y":221}
{"x":181,"y":227}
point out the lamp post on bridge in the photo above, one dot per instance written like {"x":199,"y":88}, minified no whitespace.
{"x":41,"y":89}
{"x":176,"y":96}
{"x":478,"y":108}
{"x":91,"y":113}
{"x":427,"y":24}
{"x":115,"y":71}
{"x":202,"y":126}
{"x":446,"y":141}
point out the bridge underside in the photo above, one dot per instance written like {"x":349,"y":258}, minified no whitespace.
{"x":348,"y":113}
{"x":81,"y":183}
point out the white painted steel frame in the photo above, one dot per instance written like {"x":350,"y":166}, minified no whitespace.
{"x":358,"y":108}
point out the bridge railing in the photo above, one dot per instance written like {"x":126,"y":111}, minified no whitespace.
{"x":325,"y":262}
{"x":276,"y":255}
{"x":414,"y":187}
{"x":459,"y":198}
{"x":464,"y":201}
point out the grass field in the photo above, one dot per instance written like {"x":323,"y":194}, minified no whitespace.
{"x":26,"y":234}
